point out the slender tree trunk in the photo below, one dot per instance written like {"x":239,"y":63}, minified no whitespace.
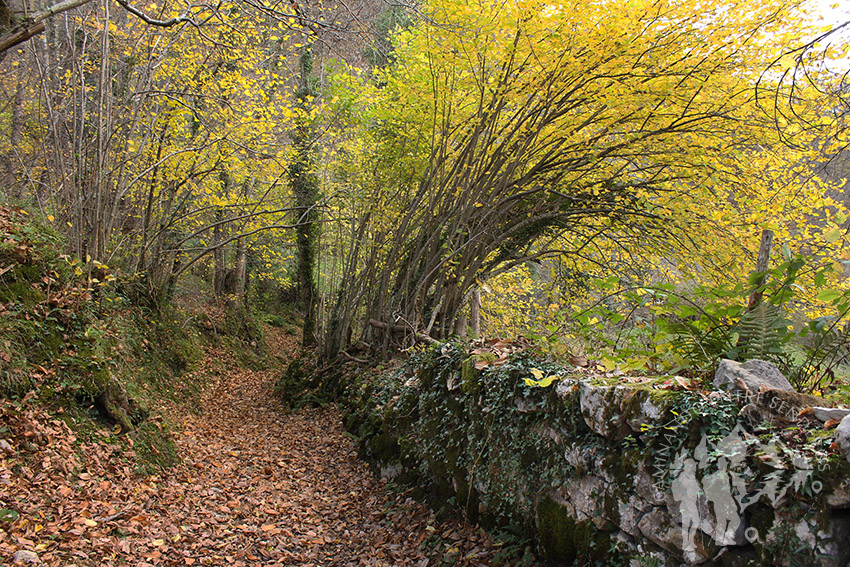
{"x":241,"y":271}
{"x":475,"y":313}
{"x":218,"y":256}
{"x":241,"y":274}
{"x":99,"y":231}
{"x":305,"y":185}
{"x":762,"y":264}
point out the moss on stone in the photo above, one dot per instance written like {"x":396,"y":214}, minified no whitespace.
{"x":566,"y":541}
{"x":384,"y":447}
{"x":556,"y":532}
{"x":469,"y":375}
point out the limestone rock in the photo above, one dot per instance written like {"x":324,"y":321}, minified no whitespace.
{"x":660,"y":528}
{"x":842,"y":436}
{"x":524,"y":405}
{"x":565,"y":387}
{"x":645,"y":413}
{"x":583,"y":498}
{"x":646,"y":487}
{"x":825,"y":414}
{"x":839,"y":497}
{"x":631,"y":511}
{"x":26,"y":557}
{"x":784,"y":403}
{"x":600,"y":408}
{"x":579,"y":457}
{"x":756,"y":374}
{"x":389,"y":472}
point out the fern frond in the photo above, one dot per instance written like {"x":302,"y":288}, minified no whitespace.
{"x":761,"y":332}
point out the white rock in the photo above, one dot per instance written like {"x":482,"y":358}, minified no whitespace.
{"x":648,"y":413}
{"x":658,"y":527}
{"x":840,"y":495}
{"x":842,"y":436}
{"x":755,"y":373}
{"x":825,"y":414}
{"x":600,"y":408}
{"x":391,"y":471}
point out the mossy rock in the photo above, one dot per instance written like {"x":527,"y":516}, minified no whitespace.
{"x":566,"y":541}
{"x":469,"y":375}
{"x":384,"y":448}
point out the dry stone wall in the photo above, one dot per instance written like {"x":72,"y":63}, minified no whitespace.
{"x":605,"y":472}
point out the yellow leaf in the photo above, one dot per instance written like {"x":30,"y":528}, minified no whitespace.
{"x":90,"y":523}
{"x":832,"y":235}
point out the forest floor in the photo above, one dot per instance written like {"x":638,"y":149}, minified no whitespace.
{"x":255,"y":486}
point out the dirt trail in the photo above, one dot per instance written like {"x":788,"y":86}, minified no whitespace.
{"x":255,"y":486}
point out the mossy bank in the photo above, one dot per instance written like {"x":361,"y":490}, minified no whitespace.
{"x":74,"y":341}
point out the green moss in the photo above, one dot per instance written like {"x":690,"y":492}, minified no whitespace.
{"x":385,"y":448}
{"x":566,"y":541}
{"x":469,"y":375}
{"x":154,"y":447}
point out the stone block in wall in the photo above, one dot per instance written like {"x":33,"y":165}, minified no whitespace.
{"x":601,"y":408}
{"x":838,"y":496}
{"x":592,"y":499}
{"x":642,"y":411}
{"x":659,"y":527}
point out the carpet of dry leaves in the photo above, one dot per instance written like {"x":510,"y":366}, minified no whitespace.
{"x":255,"y":486}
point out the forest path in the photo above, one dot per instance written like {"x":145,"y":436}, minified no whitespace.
{"x":255,"y":486}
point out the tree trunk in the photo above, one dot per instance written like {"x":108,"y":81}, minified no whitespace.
{"x":475,"y":313}
{"x":241,"y":271}
{"x":218,"y":256}
{"x":762,"y":264}
{"x":305,"y":185}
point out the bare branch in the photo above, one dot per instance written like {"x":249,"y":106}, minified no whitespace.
{"x":184,"y":19}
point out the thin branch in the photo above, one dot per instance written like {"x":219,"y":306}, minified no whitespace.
{"x":184,"y":19}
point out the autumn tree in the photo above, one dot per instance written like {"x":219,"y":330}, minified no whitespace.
{"x":156,"y":146}
{"x":511,"y":132}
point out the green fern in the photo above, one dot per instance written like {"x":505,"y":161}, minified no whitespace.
{"x":762,"y":332}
